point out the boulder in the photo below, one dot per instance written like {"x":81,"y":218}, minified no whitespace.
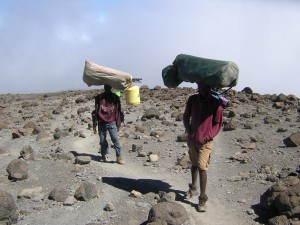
{"x":17,"y":169}
{"x":7,"y":208}
{"x":86,"y":191}
{"x":169,"y":212}
{"x":279,"y":220}
{"x":293,"y":140}
{"x":58,"y":194}
{"x":151,"y":113}
{"x":283,"y":198}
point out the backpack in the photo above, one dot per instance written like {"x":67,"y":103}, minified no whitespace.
{"x":105,"y":110}
{"x":223,"y":101}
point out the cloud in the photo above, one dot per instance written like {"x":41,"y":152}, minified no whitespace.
{"x":46,"y":42}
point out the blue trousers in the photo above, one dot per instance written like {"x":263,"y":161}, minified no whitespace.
{"x":113,"y":132}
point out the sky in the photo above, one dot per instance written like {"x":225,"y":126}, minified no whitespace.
{"x":44,"y":44}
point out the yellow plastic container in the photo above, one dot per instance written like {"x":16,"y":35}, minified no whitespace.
{"x":132,"y":95}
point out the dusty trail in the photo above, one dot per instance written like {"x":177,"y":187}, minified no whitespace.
{"x":219,"y":211}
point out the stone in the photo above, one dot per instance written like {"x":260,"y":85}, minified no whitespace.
{"x":168,"y":197}
{"x":38,"y":130}
{"x":231,"y":125}
{"x":109,"y":207}
{"x":82,"y":160}
{"x":34,"y":193}
{"x":182,"y":137}
{"x":151,"y":113}
{"x":247,"y":90}
{"x":169,"y":212}
{"x":17,"y":169}
{"x":30,"y":125}
{"x":86,"y":191}
{"x":248,"y":146}
{"x":153,"y":158}
{"x":136,"y":194}
{"x":185,"y":162}
{"x":283,"y":198}
{"x":43,"y":137}
{"x":293,"y":140}
{"x":3,"y":126}
{"x":58,"y":194}
{"x":70,"y":201}
{"x":279,"y":220}
{"x":27,"y":153}
{"x":80,"y":99}
{"x":8,"y":208}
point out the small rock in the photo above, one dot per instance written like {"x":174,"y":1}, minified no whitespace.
{"x":153,"y":158}
{"x":136,"y":194}
{"x":109,"y":207}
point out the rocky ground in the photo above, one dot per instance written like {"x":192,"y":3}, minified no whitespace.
{"x":51,"y":171}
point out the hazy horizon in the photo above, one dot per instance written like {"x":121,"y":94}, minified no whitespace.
{"x":44,"y":44}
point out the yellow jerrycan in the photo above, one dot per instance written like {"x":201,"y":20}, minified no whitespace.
{"x":132,"y":95}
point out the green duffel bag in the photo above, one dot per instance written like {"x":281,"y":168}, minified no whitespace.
{"x":170,"y":77}
{"x":189,"y":68}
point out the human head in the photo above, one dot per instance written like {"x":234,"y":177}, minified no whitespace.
{"x":204,"y":89}
{"x":107,"y":87}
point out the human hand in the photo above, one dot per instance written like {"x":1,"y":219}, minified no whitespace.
{"x":188,"y":129}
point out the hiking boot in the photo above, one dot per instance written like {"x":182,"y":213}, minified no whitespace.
{"x":120,"y":160}
{"x":191,"y":192}
{"x":201,"y":207}
{"x":104,"y":158}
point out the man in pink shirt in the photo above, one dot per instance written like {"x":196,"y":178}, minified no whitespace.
{"x":107,"y":115}
{"x":202,"y":120}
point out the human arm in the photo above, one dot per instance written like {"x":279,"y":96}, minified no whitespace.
{"x":94,"y":119}
{"x":94,"y":115}
{"x":187,"y":115}
{"x":216,"y":125}
{"x":118,"y":113}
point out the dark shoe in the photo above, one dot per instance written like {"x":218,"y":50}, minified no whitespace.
{"x":191,"y":192}
{"x":120,"y":160}
{"x":104,"y":158}
{"x":201,"y":207}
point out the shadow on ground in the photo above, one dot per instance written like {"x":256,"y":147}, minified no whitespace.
{"x":96,"y":158}
{"x":262,"y":216}
{"x":144,"y":186}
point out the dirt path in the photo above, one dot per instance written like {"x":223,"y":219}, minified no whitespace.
{"x":231,"y":197}
{"x":219,"y":211}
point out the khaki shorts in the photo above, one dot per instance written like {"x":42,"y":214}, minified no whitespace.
{"x":200,"y":154}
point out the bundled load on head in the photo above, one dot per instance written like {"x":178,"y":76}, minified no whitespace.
{"x":215,"y":73}
{"x":94,"y":74}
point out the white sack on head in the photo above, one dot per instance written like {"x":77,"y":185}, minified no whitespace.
{"x":94,"y":74}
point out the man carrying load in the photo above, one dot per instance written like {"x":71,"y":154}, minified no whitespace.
{"x":107,"y":115}
{"x":202,"y":120}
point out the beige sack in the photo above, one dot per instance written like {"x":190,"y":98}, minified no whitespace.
{"x":94,"y":74}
